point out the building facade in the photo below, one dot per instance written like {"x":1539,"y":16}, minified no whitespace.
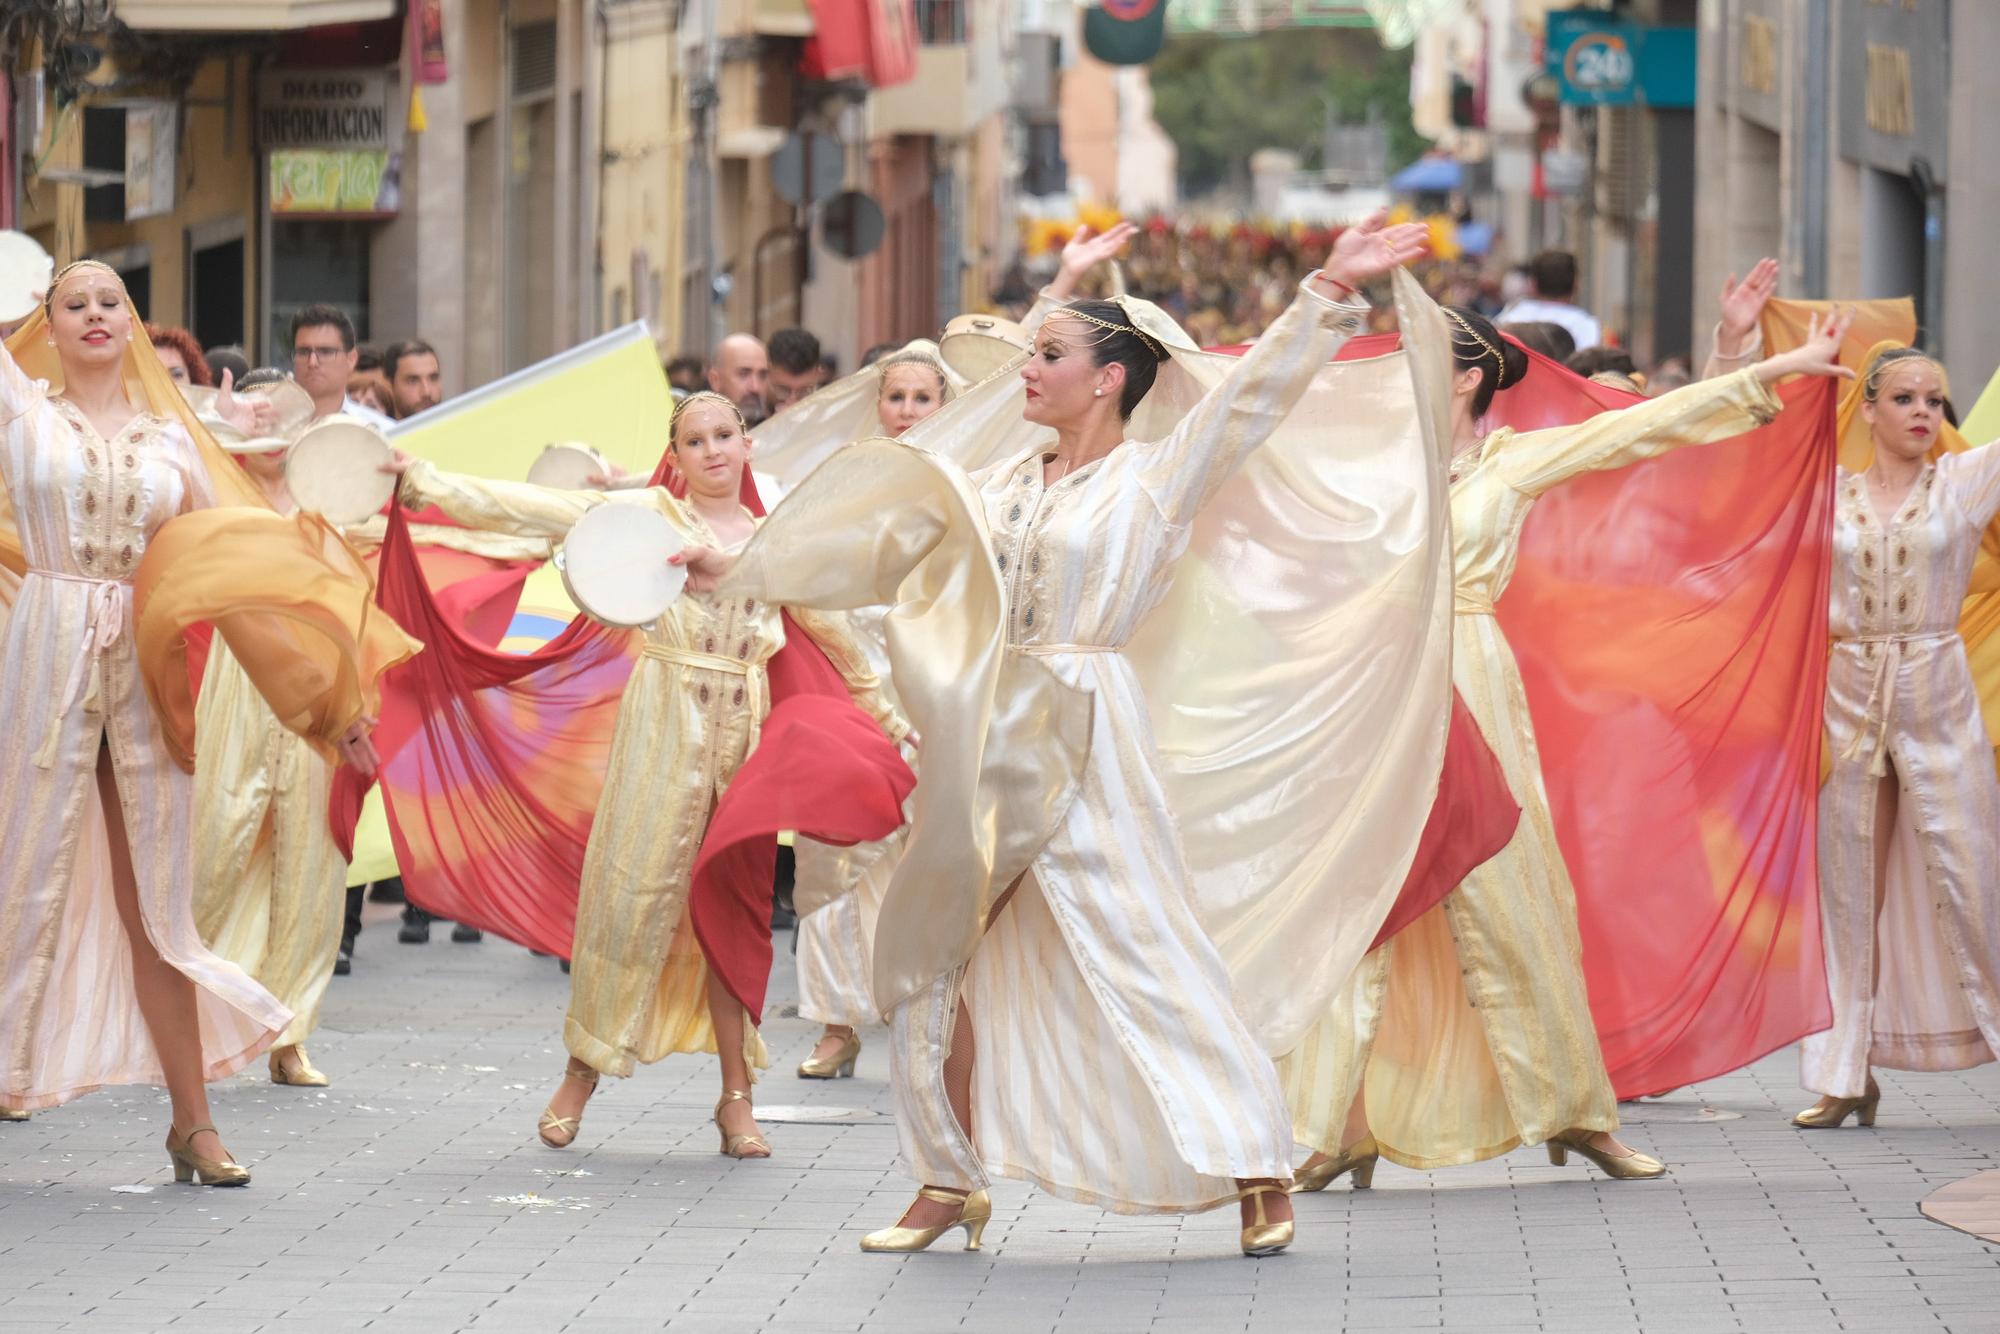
{"x":1848,"y":139}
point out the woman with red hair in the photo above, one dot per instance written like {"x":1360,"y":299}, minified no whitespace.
{"x":180,"y":354}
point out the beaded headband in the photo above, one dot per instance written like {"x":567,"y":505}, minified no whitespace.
{"x":1476,"y":337}
{"x":702,"y":396}
{"x":48,"y":300}
{"x":1872,"y":385}
{"x":1153,"y":344}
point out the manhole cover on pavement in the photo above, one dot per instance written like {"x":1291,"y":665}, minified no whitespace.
{"x":1660,"y":1113}
{"x":825,"y":1116}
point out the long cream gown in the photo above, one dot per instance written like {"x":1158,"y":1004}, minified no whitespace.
{"x":1473,"y":1026}
{"x":689,"y":717}
{"x":1900,"y":702}
{"x":69,"y":1016}
{"x":1112,"y":1065}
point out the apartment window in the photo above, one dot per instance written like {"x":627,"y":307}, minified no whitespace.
{"x":943,"y":22}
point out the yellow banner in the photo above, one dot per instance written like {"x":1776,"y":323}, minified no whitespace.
{"x":609,"y":393}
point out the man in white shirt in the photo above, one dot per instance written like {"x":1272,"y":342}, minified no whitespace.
{"x":323,"y":356}
{"x":1553,"y":273}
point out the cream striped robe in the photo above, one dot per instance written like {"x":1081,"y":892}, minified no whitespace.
{"x":1899,"y":688}
{"x":69,"y":1017}
{"x":1113,"y":1067}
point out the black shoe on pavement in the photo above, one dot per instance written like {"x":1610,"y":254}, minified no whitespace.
{"x":416,"y":927}
{"x":467,"y":935}
{"x":565,"y":964}
{"x":343,"y":962}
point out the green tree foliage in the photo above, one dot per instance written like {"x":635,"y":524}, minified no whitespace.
{"x":1222,"y":98}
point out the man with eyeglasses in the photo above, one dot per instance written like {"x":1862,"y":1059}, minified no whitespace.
{"x":323,"y":356}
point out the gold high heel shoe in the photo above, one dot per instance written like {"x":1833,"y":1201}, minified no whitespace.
{"x":9,"y":1114}
{"x":191,"y":1166}
{"x":733,"y":1145}
{"x":301,"y":1075}
{"x":1830,"y":1113}
{"x":1359,"y":1158}
{"x":1264,"y":1237}
{"x":551,"y":1125}
{"x":840,"y":1065}
{"x":1634,"y":1166}
{"x":975,"y":1211}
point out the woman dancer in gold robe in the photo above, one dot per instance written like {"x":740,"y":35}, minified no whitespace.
{"x":1909,"y":817}
{"x":640,"y":988}
{"x":103,"y":976}
{"x":1470,"y":1033}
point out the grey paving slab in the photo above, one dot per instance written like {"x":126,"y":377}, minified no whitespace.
{"x":411,"y":1195}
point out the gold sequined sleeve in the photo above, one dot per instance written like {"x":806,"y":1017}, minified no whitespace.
{"x":519,"y":508}
{"x":1696,"y":414}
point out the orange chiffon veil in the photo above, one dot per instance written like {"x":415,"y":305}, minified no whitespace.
{"x":293,"y":601}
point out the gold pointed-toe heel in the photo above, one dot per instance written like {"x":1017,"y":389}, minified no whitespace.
{"x":1264,"y":1237}
{"x":738,"y":1146}
{"x":552,"y":1125}
{"x":298,"y":1073}
{"x":10,"y":1114}
{"x":1830,"y":1113}
{"x":1634,"y":1166}
{"x":840,"y":1065}
{"x":975,"y":1211}
{"x":1358,"y":1158}
{"x":191,"y":1166}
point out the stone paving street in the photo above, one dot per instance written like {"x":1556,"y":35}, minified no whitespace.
{"x":411,"y":1196}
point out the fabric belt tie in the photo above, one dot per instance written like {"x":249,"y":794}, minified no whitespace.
{"x":713,"y":662}
{"x":1882,"y":690}
{"x":1467,"y":607}
{"x":755,"y":694}
{"x":104,"y":621}
{"x":1059,"y":650}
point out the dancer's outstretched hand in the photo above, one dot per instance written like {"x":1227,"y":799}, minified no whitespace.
{"x":1085,"y":251}
{"x":1371,"y":248}
{"x":706,"y":567}
{"x":1743,"y":302}
{"x":1818,"y":355}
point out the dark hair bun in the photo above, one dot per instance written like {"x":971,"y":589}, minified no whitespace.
{"x":1513,"y":364}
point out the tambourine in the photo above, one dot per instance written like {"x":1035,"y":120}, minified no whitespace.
{"x":614,"y":564}
{"x":975,"y":346}
{"x":335,"y":469}
{"x":568,"y":467}
{"x":25,"y":269}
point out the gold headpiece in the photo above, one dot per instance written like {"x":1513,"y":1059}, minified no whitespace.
{"x":1872,"y":383}
{"x":1476,"y":337}
{"x":1153,"y":344}
{"x":66,"y":270}
{"x":702,"y":396}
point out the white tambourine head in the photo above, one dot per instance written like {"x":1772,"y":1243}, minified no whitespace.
{"x":25,"y":269}
{"x":975,"y":346}
{"x":614,"y":564}
{"x":567,"y":467}
{"x":335,"y":470}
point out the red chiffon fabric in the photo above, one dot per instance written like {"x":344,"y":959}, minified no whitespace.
{"x":1669,"y":620}
{"x":494,"y":765}
{"x":1473,"y":816}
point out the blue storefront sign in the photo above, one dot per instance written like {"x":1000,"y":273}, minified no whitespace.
{"x":1602,"y":61}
